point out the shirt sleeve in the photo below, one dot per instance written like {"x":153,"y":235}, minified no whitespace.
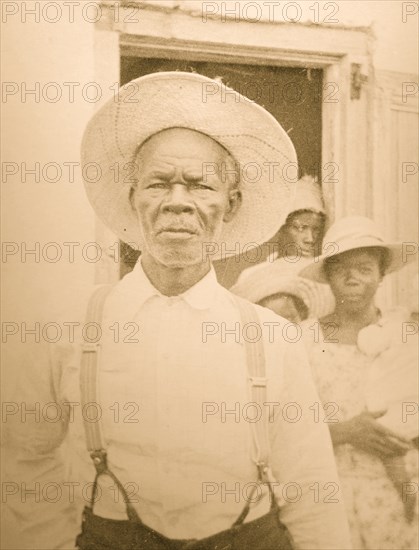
{"x":39,"y":511}
{"x":302,"y":460}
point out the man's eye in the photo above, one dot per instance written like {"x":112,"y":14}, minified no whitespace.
{"x":157,"y":185}
{"x":200,"y":186}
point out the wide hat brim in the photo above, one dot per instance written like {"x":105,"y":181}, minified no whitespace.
{"x":280,"y":277}
{"x":398,"y":257}
{"x":161,"y":101}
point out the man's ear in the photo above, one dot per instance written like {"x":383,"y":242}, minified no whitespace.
{"x":234,"y":203}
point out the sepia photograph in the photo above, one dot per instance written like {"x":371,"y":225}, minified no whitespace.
{"x":209,"y":297}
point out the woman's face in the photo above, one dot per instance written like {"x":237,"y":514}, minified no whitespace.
{"x":305,"y":231}
{"x":354,"y":277}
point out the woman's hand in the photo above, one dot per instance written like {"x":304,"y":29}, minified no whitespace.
{"x":365,"y":433}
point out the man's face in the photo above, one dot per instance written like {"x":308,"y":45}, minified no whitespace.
{"x":180,"y":203}
{"x":305,"y":230}
{"x":354,"y":277}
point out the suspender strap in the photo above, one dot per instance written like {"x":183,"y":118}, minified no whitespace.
{"x":256,"y":371}
{"x":89,"y":394}
{"x":89,"y":372}
{"x":255,"y":355}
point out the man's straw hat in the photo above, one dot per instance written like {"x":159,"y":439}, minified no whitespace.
{"x":159,"y":101}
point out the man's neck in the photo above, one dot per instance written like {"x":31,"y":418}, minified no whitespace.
{"x":172,"y":281}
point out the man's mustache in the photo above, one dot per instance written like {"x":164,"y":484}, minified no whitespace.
{"x":177,"y":223}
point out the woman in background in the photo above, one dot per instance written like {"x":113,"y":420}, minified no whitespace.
{"x":366,"y":372}
{"x":297,"y":240}
{"x":288,"y":295}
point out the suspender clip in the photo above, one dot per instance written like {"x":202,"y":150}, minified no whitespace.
{"x":266,"y":476}
{"x":263,"y":469}
{"x":99,"y":460}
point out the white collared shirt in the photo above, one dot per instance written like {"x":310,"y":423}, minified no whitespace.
{"x":177,"y":414}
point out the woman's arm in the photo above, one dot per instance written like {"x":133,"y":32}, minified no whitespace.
{"x":365,"y":433}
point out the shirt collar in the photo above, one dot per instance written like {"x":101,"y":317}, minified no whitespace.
{"x":199,"y":296}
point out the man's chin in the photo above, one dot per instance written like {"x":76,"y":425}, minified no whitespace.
{"x":170,"y":257}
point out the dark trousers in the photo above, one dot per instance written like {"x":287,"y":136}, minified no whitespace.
{"x":265,"y":533}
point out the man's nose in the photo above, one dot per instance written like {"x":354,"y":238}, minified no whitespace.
{"x":179,"y":199}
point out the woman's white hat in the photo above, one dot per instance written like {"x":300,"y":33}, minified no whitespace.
{"x":307,"y":196}
{"x":159,"y":101}
{"x":281,"y":277}
{"x":351,"y":233}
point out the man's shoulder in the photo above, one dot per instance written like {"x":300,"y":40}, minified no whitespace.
{"x":262,"y":315}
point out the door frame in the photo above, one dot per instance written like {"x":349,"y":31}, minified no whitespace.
{"x":343,"y":53}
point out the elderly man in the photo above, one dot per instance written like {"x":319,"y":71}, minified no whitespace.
{"x":203,"y":433}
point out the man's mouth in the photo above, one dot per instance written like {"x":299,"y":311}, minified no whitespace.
{"x":177,"y":232}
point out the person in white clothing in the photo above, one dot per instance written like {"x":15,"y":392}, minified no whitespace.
{"x":182,"y":461}
{"x":365,"y":364}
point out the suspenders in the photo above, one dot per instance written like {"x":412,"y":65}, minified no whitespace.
{"x":89,"y":372}
{"x":255,"y":359}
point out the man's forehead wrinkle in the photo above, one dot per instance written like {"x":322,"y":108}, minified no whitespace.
{"x":165,"y":164}
{"x":160,"y":172}
{"x":169,"y":159}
